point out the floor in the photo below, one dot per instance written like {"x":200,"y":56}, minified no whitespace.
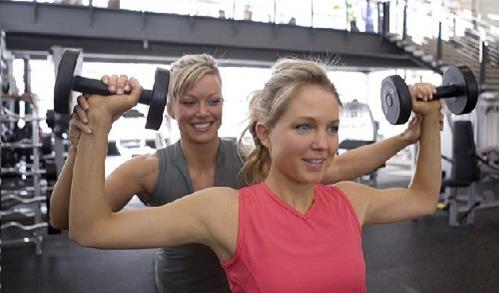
{"x":425,"y":255}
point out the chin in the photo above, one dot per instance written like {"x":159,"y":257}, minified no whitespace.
{"x":205,"y":138}
{"x":310,"y":179}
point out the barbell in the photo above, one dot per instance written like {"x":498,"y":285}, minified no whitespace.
{"x":459,"y":89}
{"x":66,"y":81}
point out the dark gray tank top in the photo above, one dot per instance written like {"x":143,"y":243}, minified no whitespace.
{"x":192,"y":267}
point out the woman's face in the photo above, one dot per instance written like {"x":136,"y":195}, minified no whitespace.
{"x":199,"y":111}
{"x":304,"y":140}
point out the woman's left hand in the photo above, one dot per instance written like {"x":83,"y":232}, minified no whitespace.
{"x":112,"y":107}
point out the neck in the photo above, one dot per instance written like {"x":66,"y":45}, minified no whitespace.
{"x":296,"y":194}
{"x":200,"y":154}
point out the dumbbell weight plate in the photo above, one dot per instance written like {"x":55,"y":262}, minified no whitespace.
{"x":66,"y":81}
{"x":395,"y":100}
{"x":63,"y":83}
{"x":461,"y":77}
{"x":158,"y":101}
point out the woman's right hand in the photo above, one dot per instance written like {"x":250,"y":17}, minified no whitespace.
{"x":79,"y":121}
{"x":422,"y":100}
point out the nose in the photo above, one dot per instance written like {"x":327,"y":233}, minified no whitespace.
{"x":202,"y":109}
{"x":320,"y":141}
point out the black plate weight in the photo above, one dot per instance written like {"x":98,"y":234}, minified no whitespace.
{"x":64,"y":81}
{"x":466,"y":96}
{"x":395,"y":100}
{"x":158,"y":100}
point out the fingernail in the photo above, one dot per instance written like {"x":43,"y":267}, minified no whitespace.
{"x":85,"y":120}
{"x":127,"y":88}
{"x":111,"y":88}
{"x":119,"y":91}
{"x":89,"y":131}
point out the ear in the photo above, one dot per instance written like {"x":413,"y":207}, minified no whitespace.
{"x":263,"y":133}
{"x":169,"y":110}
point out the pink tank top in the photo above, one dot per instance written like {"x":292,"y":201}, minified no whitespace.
{"x":281,"y":250}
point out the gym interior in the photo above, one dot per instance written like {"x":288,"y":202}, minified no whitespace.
{"x":453,"y":44}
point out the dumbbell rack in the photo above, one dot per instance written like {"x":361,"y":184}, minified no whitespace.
{"x":23,"y":206}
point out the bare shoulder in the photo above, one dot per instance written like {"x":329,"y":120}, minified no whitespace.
{"x":352,"y":190}
{"x":143,"y":162}
{"x":140,"y":165}
{"x":219,"y":197}
{"x":358,"y":194}
{"x":138,"y":174}
{"x":219,"y":209}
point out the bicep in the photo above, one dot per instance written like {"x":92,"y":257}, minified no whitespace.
{"x":376,"y":206}
{"x":176,"y":223}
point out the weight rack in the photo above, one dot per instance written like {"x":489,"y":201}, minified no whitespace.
{"x":23,"y":210}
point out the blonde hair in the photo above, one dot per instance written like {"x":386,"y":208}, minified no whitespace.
{"x":268,"y":104}
{"x":187,"y":70}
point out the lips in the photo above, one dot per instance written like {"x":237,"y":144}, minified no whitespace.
{"x":315,"y":162}
{"x":202,"y":126}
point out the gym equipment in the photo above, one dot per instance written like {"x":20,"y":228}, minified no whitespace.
{"x":358,"y":128}
{"x":465,"y":174}
{"x":58,"y":123}
{"x":459,"y":89}
{"x":67,"y":81}
{"x":25,"y":166}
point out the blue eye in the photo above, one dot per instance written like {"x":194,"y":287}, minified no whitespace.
{"x":214,"y":101}
{"x":188,"y":103}
{"x":333,"y":129}
{"x":303,"y":126}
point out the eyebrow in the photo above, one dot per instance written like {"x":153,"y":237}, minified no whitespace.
{"x":219,"y":95}
{"x":311,"y":118}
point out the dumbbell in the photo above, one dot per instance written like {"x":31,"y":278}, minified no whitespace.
{"x":58,"y":123}
{"x":66,"y":81}
{"x":459,"y":89}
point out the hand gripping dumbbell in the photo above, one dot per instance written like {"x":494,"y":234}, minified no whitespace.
{"x":66,"y":81}
{"x":459,"y":89}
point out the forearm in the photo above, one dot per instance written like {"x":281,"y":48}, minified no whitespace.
{"x":365,"y":159}
{"x":427,"y":176}
{"x":59,"y":200}
{"x":88,"y":205}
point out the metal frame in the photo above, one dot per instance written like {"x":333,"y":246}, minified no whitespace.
{"x":36,"y":27}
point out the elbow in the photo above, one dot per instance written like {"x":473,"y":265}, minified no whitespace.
{"x":427,"y":200}
{"x":429,"y":207}
{"x":81,"y":238}
{"x":56,"y":221}
{"x":78,"y":237}
{"x":57,"y":224}
{"x":89,"y":234}
{"x":83,"y":235}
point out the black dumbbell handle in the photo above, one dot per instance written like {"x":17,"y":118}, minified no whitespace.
{"x":446,"y":91}
{"x":95,"y":86}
